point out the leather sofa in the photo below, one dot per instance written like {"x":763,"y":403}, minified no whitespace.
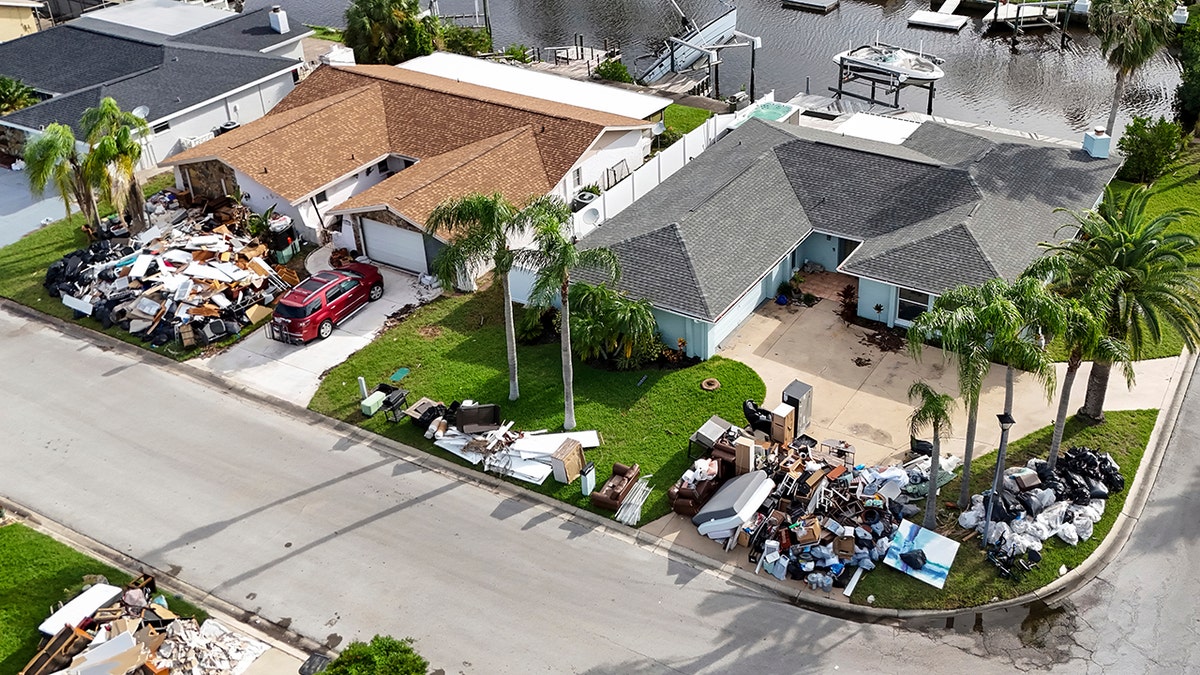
{"x":687,"y":501}
{"x":617,"y":487}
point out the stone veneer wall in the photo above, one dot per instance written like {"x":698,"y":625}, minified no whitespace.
{"x":12,"y":141}
{"x":211,"y":179}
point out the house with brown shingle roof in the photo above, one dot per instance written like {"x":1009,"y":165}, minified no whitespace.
{"x":361,"y":155}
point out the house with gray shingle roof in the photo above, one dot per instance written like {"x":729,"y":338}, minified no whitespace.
{"x":943,"y":206}
{"x":194,"y":68}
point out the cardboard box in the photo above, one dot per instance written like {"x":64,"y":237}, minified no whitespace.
{"x":843,"y":547}
{"x":567,"y":461}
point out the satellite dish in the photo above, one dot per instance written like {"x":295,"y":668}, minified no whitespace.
{"x":659,"y":128}
{"x":141,"y":111}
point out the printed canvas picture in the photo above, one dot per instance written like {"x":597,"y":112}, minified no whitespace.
{"x":939,"y":553}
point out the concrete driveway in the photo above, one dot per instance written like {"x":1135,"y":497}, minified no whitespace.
{"x":22,"y":212}
{"x":293,"y":372}
{"x":868,"y":405}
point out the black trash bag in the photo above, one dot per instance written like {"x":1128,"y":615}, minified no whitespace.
{"x":1032,"y":505}
{"x":1111,"y":474}
{"x":914,"y":559}
{"x":1096,"y":488}
{"x":429,"y":416}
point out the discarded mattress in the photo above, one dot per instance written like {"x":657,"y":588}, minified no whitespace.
{"x":734,"y":503}
{"x":80,"y":607}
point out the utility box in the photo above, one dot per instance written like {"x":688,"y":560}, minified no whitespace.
{"x":799,"y":396}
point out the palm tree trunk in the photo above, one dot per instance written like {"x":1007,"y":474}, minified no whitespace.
{"x":964,"y":494}
{"x":1064,"y":404}
{"x":935,"y":467}
{"x":1097,"y":389}
{"x":138,"y":208}
{"x":1009,"y":376}
{"x":510,"y":338}
{"x":1118,"y":93}
{"x":568,"y":366}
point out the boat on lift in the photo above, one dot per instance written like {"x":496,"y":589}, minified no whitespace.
{"x":678,"y":57}
{"x":905,"y":64}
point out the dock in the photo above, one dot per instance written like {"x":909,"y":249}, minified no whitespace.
{"x":1022,"y":14}
{"x":943,"y":18}
{"x":822,"y":6}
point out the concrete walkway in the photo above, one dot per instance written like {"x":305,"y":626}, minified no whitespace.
{"x":867,"y":404}
{"x":293,"y":372}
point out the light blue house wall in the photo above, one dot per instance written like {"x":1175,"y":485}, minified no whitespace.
{"x":819,"y":248}
{"x":871,"y":293}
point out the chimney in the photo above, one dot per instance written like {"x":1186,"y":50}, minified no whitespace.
{"x":279,"y":22}
{"x":1096,"y":143}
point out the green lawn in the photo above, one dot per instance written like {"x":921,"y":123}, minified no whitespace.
{"x":327,"y":33}
{"x":684,"y":118}
{"x":455,"y":348}
{"x":972,"y":581}
{"x":36,"y":572}
{"x":23,"y":267}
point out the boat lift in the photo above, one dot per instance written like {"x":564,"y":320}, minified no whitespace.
{"x":1019,"y":16}
{"x":891,"y":83}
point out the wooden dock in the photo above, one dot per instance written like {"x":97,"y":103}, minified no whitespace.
{"x":944,"y":17}
{"x":1022,"y":14}
{"x":822,"y":6}
{"x":579,"y":64}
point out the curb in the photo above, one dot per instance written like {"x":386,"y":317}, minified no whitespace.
{"x":1055,"y":591}
{"x":278,"y":637}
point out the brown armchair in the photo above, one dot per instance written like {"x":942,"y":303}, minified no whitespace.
{"x":687,"y":501}
{"x":617,"y":487}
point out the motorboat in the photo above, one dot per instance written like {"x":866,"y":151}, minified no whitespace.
{"x":690,"y":44}
{"x":883,"y":58}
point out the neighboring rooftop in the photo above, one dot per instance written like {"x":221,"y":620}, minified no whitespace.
{"x":339,"y":120}
{"x":163,"y":54}
{"x":946,"y":206}
{"x":537,"y":84}
{"x":165,"y":18}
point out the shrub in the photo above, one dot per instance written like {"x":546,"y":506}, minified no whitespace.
{"x":614,"y":71}
{"x":518,"y":52}
{"x":466,"y":41}
{"x":608,"y":327}
{"x":1149,"y":148}
{"x":848,"y":297}
{"x":383,"y":655}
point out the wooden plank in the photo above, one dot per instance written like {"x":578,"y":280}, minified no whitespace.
{"x":948,"y":7}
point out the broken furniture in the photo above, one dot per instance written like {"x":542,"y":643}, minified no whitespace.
{"x":394,"y":400}
{"x":688,"y":497}
{"x":837,"y":450}
{"x":478,"y":419}
{"x":707,"y":435}
{"x":567,"y":461}
{"x":617,"y":487}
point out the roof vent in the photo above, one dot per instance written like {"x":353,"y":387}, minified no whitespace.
{"x":279,"y":21}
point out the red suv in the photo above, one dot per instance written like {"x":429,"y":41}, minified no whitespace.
{"x":311,"y":310}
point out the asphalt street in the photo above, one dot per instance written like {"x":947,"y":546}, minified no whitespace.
{"x":340,"y":541}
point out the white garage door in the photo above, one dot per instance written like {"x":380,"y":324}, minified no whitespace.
{"x":394,"y":246}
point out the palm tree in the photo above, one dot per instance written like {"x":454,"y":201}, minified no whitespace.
{"x":977,"y":325}
{"x":1151,"y":271}
{"x":555,"y":257}
{"x":933,"y":411}
{"x":53,"y":157}
{"x":480,"y":229}
{"x":114,"y":136}
{"x":388,"y":31}
{"x":609,"y":325}
{"x":1131,"y":32}
{"x":14,"y":95}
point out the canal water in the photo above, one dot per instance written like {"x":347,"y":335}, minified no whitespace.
{"x":1040,"y":88}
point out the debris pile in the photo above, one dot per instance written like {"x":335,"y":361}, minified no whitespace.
{"x":106,"y":630}
{"x":189,"y":278}
{"x":475,"y":433}
{"x":1036,"y":503}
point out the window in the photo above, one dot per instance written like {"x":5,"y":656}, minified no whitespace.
{"x":911,"y":304}
{"x":577,"y":177}
{"x":335,"y":292}
{"x":292,"y":312}
{"x":159,"y":128}
{"x":322,"y":197}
